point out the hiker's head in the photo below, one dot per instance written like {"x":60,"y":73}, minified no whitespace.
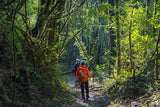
{"x":77,"y":60}
{"x":82,"y":62}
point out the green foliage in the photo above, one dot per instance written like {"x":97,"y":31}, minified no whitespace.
{"x":92,"y":12}
{"x":101,"y":71}
{"x":108,"y":84}
{"x":152,"y":87}
{"x":130,"y":89}
{"x":30,"y":51}
{"x":31,"y":59}
{"x":144,"y":44}
{"x":124,"y":75}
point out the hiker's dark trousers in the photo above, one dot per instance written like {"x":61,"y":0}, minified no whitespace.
{"x":87,"y":89}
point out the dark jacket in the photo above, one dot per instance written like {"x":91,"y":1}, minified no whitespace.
{"x":75,"y":67}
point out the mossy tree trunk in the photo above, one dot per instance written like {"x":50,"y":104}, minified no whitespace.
{"x":155,"y":34}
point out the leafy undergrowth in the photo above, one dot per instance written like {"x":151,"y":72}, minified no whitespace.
{"x":138,"y":91}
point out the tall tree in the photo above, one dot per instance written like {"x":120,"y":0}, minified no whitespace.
{"x":130,"y":41}
{"x":154,"y":34}
{"x":118,"y":38}
{"x":147,"y":7}
{"x":130,"y":44}
{"x":112,"y":37}
{"x":157,"y":57}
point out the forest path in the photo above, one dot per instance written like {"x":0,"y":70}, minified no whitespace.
{"x":96,"y":93}
{"x":97,"y":98}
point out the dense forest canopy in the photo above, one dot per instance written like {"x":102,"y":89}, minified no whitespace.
{"x":118,"y":39}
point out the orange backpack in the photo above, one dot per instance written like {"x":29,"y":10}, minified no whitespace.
{"x":83,"y":76}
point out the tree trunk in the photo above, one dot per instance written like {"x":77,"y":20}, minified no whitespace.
{"x":130,"y":45}
{"x":154,"y":34}
{"x":157,"y":57}
{"x":154,"y":14}
{"x":53,"y":37}
{"x":118,"y":38}
{"x":112,"y":40}
{"x":147,"y":7}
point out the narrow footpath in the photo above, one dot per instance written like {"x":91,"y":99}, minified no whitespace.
{"x":96,"y":92}
{"x":97,"y":98}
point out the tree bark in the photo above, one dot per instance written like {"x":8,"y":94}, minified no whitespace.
{"x":154,"y":34}
{"x":112,"y":39}
{"x":154,"y":14}
{"x":157,"y":57}
{"x":130,"y":46}
{"x":147,"y":7}
{"x":118,"y":38}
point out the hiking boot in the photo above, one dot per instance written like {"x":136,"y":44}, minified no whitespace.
{"x":83,"y":99}
{"x":87,"y":98}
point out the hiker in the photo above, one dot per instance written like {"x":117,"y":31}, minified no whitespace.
{"x":83,"y":74}
{"x":76,"y":65}
{"x":74,"y":69}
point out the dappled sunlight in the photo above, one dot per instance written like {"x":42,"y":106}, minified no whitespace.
{"x":79,"y":53}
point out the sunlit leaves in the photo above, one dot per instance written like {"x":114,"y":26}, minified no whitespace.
{"x":32,"y":11}
{"x":92,"y":12}
{"x":105,"y":7}
{"x":141,"y":41}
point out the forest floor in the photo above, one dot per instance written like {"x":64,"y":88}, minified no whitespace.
{"x":97,"y":96}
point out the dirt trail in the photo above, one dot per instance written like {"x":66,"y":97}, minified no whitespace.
{"x":96,"y":93}
{"x":97,"y":98}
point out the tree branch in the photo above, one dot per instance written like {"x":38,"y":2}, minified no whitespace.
{"x":63,"y":48}
{"x":75,"y":9}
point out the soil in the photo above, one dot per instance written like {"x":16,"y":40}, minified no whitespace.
{"x":97,"y":97}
